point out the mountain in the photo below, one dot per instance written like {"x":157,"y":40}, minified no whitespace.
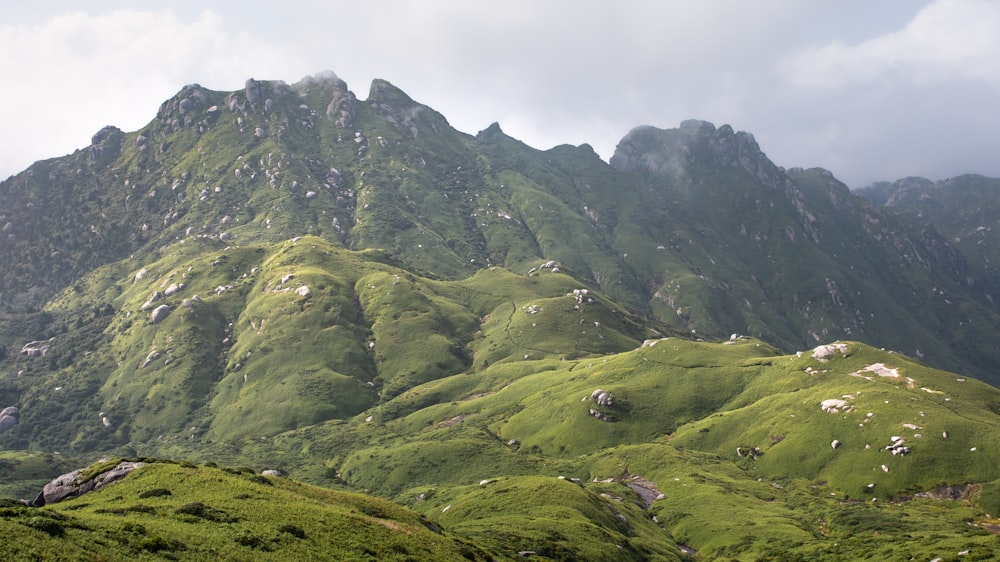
{"x":964,"y":209}
{"x":287,"y":276}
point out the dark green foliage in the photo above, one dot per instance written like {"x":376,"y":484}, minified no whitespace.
{"x":155,"y":493}
{"x":139,"y":508}
{"x":46,"y":525}
{"x":250,"y":540}
{"x":293,"y":530}
{"x":202,"y":511}
{"x":157,"y":543}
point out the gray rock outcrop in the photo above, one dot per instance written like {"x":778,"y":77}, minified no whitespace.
{"x":159,"y":313}
{"x":253,"y":92}
{"x":9,"y":417}
{"x":157,"y":295}
{"x":36,"y":348}
{"x":71,"y":484}
{"x":603,"y":398}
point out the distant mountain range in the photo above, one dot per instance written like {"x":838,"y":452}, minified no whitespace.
{"x":355,"y":292}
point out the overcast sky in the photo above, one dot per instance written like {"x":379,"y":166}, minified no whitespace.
{"x":871,"y":90}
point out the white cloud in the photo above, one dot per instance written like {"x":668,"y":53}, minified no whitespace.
{"x":948,"y":39}
{"x":76,"y":73}
{"x":868,"y":90}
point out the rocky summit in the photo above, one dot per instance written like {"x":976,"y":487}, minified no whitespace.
{"x":685,"y":352}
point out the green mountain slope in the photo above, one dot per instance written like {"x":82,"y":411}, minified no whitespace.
{"x":694,"y":226}
{"x":795,"y":450}
{"x":537,"y":350}
{"x":963,"y":209}
{"x":170,"y":511}
{"x":795,"y":258}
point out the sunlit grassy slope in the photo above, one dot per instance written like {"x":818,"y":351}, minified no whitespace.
{"x":734,"y":437}
{"x":183,"y":512}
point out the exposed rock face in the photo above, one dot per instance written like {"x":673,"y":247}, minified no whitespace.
{"x":36,"y":348}
{"x":157,"y":295}
{"x":947,"y":492}
{"x":159,"y":313}
{"x":9,"y":417}
{"x":342,"y":101}
{"x":825,"y":352}
{"x":253,"y":92}
{"x":70,"y":485}
{"x":399,"y":109}
{"x":106,"y":144}
{"x":603,"y":398}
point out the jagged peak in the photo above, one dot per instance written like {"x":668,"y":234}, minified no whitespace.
{"x":667,"y":151}
{"x":491,"y":133}
{"x":106,"y":132}
{"x":400,"y":109}
{"x":697,"y":127}
{"x":382,"y":91}
{"x":326,"y":77}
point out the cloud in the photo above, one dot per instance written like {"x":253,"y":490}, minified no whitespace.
{"x":867,"y":90}
{"x":947,"y":40}
{"x":77,"y":72}
{"x":909,"y":101}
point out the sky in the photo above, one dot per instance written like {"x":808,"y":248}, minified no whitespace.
{"x":868,"y":90}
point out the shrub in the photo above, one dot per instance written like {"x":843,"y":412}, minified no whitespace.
{"x":156,"y":543}
{"x":252,"y":541}
{"x":202,"y":511}
{"x":46,"y":526}
{"x":293,"y":530}
{"x":155,"y":493}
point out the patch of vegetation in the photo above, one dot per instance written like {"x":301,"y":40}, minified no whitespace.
{"x":202,"y":511}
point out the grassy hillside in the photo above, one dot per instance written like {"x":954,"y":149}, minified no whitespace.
{"x":184,"y":512}
{"x":693,"y":226}
{"x":733,"y":429}
{"x":541,"y":353}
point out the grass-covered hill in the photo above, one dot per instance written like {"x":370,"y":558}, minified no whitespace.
{"x":693,"y":226}
{"x":260,"y":339}
{"x":541,"y":353}
{"x":673,"y":450}
{"x":170,"y":511}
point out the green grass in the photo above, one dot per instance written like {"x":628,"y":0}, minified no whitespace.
{"x":211,"y":514}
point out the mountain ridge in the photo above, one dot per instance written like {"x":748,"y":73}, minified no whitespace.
{"x":353,"y":289}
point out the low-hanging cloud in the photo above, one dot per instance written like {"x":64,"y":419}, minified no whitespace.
{"x":77,"y":72}
{"x":912,"y":101}
{"x":947,"y":40}
{"x":869,"y":91}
